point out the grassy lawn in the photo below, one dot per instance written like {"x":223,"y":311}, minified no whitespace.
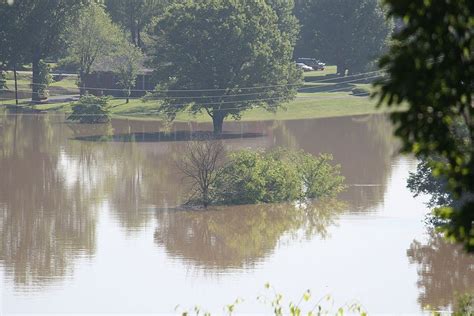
{"x":328,"y":70}
{"x":305,"y":106}
{"x":24,"y":83}
{"x":314,"y":100}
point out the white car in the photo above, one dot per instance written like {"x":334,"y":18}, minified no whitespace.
{"x":304,"y":67}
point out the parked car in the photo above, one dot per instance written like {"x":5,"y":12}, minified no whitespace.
{"x":304,"y":67}
{"x":314,"y":63}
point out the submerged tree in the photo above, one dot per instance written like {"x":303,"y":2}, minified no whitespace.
{"x":249,"y":177}
{"x":200,"y":165}
{"x":223,"y":57}
{"x":430,"y":67}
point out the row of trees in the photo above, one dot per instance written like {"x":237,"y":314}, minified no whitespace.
{"x":33,"y":30}
{"x":221,"y":46}
{"x":81,"y":32}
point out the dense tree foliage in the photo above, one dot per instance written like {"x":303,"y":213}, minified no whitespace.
{"x":38,"y":30}
{"x":224,"y":55}
{"x":135,"y":16}
{"x":127,"y":64}
{"x":424,"y":182}
{"x":90,"y":109}
{"x":44,"y":80}
{"x":249,"y":177}
{"x":430,"y":67}
{"x":12,"y":49}
{"x":348,"y":33}
{"x":92,"y":37}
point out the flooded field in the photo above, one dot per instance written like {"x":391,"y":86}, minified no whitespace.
{"x":90,"y":222}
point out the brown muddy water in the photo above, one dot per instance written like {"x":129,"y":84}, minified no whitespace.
{"x":89,"y":223}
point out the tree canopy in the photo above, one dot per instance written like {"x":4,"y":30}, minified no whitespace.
{"x":38,"y":30}
{"x":348,"y":33}
{"x":92,"y":37}
{"x":224,"y":58}
{"x":135,"y":16}
{"x":430,"y":67}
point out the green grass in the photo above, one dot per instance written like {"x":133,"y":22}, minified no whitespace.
{"x":321,"y":105}
{"x":315,"y":100}
{"x":305,"y":106}
{"x":67,"y":84}
{"x":328,"y":70}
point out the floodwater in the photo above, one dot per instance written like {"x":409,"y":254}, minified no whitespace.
{"x":90,"y":223}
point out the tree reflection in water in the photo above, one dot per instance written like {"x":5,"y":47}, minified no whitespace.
{"x":235,"y":237}
{"x":444,"y":271}
{"x":45,"y":222}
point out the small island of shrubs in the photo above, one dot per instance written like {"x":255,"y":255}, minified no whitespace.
{"x":252,"y":177}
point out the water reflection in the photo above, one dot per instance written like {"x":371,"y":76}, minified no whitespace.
{"x":364,"y":146}
{"x":444,"y":271}
{"x":53,"y":186}
{"x":240,"y":236}
{"x":44,"y":222}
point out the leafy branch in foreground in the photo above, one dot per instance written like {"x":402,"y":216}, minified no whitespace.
{"x":430,"y":67}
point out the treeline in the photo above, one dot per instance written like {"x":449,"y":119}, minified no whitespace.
{"x":221,"y":57}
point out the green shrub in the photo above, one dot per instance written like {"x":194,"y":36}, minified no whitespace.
{"x":44,"y":79}
{"x":320,"y":178}
{"x":277,"y":176}
{"x":465,"y":305}
{"x":90,"y":109}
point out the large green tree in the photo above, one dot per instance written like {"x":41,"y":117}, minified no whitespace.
{"x":348,"y":33}
{"x":430,"y":68}
{"x":13,"y":47}
{"x":127,"y":65}
{"x":228,"y":56}
{"x":40,"y":30}
{"x":92,"y":37}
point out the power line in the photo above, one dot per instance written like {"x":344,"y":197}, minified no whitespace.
{"x":163,"y":112}
{"x":361,"y":75}
{"x":219,"y":96}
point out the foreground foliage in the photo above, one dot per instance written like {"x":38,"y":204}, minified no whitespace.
{"x":431,"y":68}
{"x":90,"y":109}
{"x":306,"y":305}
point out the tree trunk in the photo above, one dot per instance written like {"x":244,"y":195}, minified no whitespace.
{"x":16,"y":83}
{"x":341,"y":69}
{"x":133,"y":29}
{"x":139,"y":38}
{"x":82,"y":83}
{"x":35,"y":96}
{"x":217,"y":122}
{"x":205,"y":198}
